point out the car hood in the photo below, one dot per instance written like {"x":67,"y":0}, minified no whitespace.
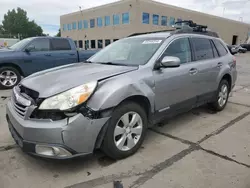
{"x":56,"y":80}
{"x":5,"y":52}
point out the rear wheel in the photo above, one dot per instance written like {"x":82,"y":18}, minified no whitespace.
{"x":126,"y":131}
{"x":221,"y":96}
{"x":9,"y":77}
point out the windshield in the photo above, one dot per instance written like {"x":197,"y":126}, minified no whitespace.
{"x":20,"y":44}
{"x":129,"y":51}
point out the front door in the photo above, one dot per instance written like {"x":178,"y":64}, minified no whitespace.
{"x":39,"y":57}
{"x":175,"y":88}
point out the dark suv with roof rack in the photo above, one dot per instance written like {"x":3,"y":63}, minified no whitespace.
{"x":125,"y":88}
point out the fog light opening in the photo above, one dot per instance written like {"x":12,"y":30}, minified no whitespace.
{"x":52,"y":151}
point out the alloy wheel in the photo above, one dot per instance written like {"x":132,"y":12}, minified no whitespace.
{"x":8,"y":78}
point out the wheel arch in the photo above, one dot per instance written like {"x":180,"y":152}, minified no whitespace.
{"x":228,"y":78}
{"x":12,"y":65}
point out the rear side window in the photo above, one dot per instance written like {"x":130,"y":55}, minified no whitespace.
{"x":179,"y":48}
{"x":202,"y":48}
{"x":60,"y":44}
{"x":220,"y":47}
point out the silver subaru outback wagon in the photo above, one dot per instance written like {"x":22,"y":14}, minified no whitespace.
{"x":109,"y":102}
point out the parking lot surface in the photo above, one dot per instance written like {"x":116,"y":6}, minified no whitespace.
{"x":195,"y":149}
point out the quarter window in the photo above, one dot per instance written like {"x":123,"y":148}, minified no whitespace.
{"x":107,"y":20}
{"x":60,"y":44}
{"x":92,"y":23}
{"x":116,"y":19}
{"x":145,"y":18}
{"x":164,"y":20}
{"x":215,"y":52}
{"x":221,"y":49}
{"x":203,"y":49}
{"x":40,"y":45}
{"x":125,"y":18}
{"x":179,"y":48}
{"x":155,"y":19}
{"x":99,"y":22}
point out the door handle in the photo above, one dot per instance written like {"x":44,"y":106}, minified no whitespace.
{"x":47,"y":54}
{"x":71,"y":54}
{"x":193,"y":71}
{"x":219,"y":65}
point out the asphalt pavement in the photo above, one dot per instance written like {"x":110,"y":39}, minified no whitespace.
{"x":193,"y":150}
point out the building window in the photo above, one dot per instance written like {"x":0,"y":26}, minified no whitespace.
{"x":155,"y":19}
{"x":99,"y":22}
{"x":172,"y":21}
{"x":79,"y":25}
{"x":86,"y":44}
{"x":80,"y":43}
{"x":125,"y":18}
{"x":164,"y":20}
{"x":92,"y":43}
{"x":85,"y":24}
{"x":116,"y":19}
{"x":179,"y":20}
{"x":64,"y":27}
{"x":145,"y":18}
{"x":100,"y":44}
{"x":74,"y":25}
{"x":107,"y":42}
{"x":69,"y":27}
{"x":92,"y":23}
{"x":107,"y":20}
{"x":115,"y":40}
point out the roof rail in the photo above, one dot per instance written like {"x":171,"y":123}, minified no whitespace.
{"x":185,"y":26}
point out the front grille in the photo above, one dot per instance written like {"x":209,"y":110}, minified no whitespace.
{"x":20,"y":109}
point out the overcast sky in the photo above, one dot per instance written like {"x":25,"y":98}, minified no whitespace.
{"x":47,"y":13}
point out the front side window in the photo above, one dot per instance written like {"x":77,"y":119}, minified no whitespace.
{"x":85,"y":24}
{"x":172,"y":21}
{"x":107,"y":42}
{"x":74,"y":25}
{"x":179,"y":48}
{"x":129,"y":51}
{"x":92,"y":23}
{"x":203,"y":49}
{"x":107,"y":20}
{"x":99,"y":44}
{"x":79,"y":25}
{"x":60,"y":44}
{"x":155,"y":19}
{"x":92,"y":43}
{"x":164,"y":20}
{"x":125,"y":18}
{"x":99,"y":22}
{"x":145,"y":18}
{"x":39,"y":45}
{"x":116,"y":19}
{"x":221,"y":49}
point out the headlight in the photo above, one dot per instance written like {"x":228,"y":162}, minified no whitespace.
{"x":70,"y":98}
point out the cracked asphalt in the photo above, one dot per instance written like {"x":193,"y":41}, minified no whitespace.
{"x":196,"y":149}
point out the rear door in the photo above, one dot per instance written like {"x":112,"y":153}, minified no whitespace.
{"x":39,"y":58}
{"x":206,"y":63}
{"x":62,"y":52}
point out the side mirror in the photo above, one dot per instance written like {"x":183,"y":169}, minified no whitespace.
{"x":30,"y":48}
{"x":170,"y":61}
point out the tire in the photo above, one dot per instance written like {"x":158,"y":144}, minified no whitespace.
{"x":216,"y":105}
{"x":110,"y":142}
{"x":9,"y":77}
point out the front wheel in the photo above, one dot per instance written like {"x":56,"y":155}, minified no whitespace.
{"x":126,"y":131}
{"x":9,"y":77}
{"x":221,"y":96}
